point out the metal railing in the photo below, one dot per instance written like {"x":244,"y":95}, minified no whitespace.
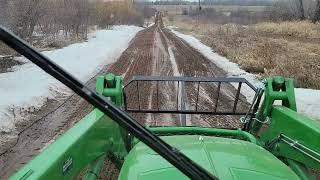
{"x":134,"y":86}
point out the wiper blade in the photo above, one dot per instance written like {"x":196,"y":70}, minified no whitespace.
{"x":171,"y":154}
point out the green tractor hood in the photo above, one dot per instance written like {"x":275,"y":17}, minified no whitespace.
{"x":224,"y":157}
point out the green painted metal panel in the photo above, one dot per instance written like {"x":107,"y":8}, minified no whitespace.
{"x":95,"y":168}
{"x":296,"y":126}
{"x":274,"y":123}
{"x":111,"y":86}
{"x":92,"y":137}
{"x":276,"y":88}
{"x":299,"y":170}
{"x":224,"y":157}
{"x":238,"y":134}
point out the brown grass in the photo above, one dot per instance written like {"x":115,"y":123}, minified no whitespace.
{"x":303,"y":29}
{"x":5,"y":50}
{"x":290,"y":49}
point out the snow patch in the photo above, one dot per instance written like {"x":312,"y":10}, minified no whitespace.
{"x":308,"y":100}
{"x":28,"y":86}
{"x":151,"y":24}
{"x":172,"y":27}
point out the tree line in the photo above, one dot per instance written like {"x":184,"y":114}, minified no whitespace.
{"x":216,"y":2}
{"x":69,"y":17}
{"x":278,"y":9}
{"x":296,"y":10}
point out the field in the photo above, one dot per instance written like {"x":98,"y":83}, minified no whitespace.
{"x":177,"y":9}
{"x":290,"y":49}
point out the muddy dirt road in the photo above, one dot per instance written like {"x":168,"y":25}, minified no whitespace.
{"x":154,"y":51}
{"x":157,"y":51}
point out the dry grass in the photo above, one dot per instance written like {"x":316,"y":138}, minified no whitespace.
{"x":303,"y":29}
{"x":290,"y":49}
{"x":5,"y":50}
{"x":177,"y":9}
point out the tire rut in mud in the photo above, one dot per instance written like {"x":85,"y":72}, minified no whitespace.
{"x":153,"y":58}
{"x":192,"y":63}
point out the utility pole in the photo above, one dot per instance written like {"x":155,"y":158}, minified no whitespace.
{"x":199,"y":13}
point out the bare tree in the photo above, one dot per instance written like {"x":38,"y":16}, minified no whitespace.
{"x":317,"y":13}
{"x":4,"y":7}
{"x":293,"y":9}
{"x":26,"y":14}
{"x":301,"y":9}
{"x":48,"y":20}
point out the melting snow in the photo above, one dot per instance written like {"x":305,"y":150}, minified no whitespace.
{"x":29,"y":86}
{"x":308,"y":100}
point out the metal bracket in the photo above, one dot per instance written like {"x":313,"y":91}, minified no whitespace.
{"x":294,"y":144}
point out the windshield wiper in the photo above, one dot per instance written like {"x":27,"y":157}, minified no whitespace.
{"x":171,"y":154}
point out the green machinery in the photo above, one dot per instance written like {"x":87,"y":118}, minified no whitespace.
{"x":275,"y":141}
{"x":288,"y":148}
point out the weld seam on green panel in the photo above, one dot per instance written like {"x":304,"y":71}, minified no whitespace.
{"x":205,"y":131}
